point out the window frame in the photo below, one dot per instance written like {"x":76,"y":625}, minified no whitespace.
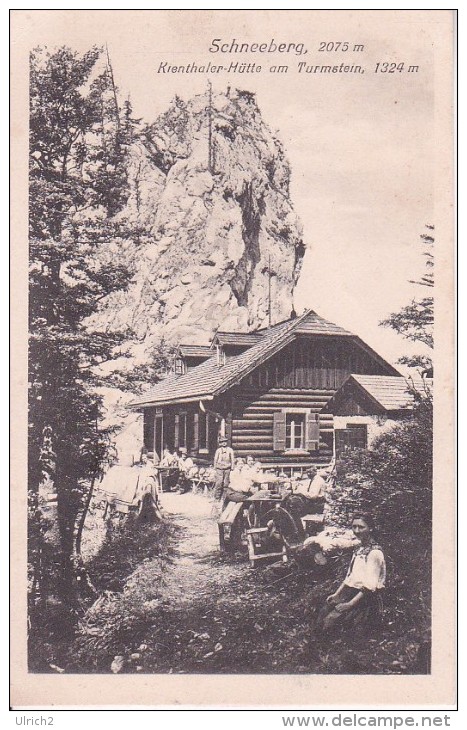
{"x":179,"y":366}
{"x":158,"y":417}
{"x":343,"y":443}
{"x":184,"y":415}
{"x":305,"y":413}
{"x":298,"y":425}
{"x":204,"y":449}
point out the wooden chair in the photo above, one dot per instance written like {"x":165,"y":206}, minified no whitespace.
{"x":253,"y":536}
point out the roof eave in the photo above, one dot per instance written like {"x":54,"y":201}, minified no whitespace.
{"x":170,"y":401}
{"x":372,"y":398}
{"x":375,"y":355}
{"x":235,"y":379}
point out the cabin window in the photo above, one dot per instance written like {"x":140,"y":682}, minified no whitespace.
{"x":190,"y":432}
{"x":294,"y":431}
{"x":159,"y":435}
{"x":181,"y":431}
{"x":203,"y":432}
{"x":220,"y":355}
{"x":354,"y":436}
{"x":179,"y":366}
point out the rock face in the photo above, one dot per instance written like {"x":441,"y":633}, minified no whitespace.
{"x":209,"y":189}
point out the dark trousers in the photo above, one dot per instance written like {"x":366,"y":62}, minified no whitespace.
{"x":221,"y":482}
{"x":366,"y":615}
{"x":298,"y":505}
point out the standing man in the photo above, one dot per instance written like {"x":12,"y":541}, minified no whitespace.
{"x":224,"y":462}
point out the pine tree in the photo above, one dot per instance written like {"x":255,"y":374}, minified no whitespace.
{"x":415,"y":321}
{"x":78,"y":185}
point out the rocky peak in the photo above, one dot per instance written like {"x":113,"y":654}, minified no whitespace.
{"x":209,"y":190}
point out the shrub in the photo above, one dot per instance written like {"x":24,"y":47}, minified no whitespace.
{"x":393,"y":481}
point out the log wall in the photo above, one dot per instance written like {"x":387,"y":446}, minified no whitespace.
{"x":252,"y":422}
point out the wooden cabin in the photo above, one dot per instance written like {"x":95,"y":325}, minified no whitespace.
{"x":367,"y":405}
{"x":265,"y":390}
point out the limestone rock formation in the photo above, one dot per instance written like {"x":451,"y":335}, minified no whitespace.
{"x":209,"y":190}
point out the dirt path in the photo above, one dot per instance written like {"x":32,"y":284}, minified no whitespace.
{"x":201,"y":595}
{"x":195,"y":572}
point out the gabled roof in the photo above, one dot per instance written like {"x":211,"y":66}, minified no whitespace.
{"x":387,"y":392}
{"x":200,"y":351}
{"x":316,"y":325}
{"x":208,"y":379}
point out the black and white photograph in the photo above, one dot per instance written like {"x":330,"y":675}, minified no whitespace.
{"x":239,"y":329}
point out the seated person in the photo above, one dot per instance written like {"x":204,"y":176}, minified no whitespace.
{"x":240,"y":485}
{"x":186,"y":466}
{"x":168,"y":459}
{"x":357,"y":602}
{"x":254,"y":471}
{"x":308,"y":496}
{"x":252,"y":465}
{"x":313,"y":486}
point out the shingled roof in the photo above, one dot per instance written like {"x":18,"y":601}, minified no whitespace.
{"x":208,"y":379}
{"x":388,"y":392}
{"x":236,"y":339}
{"x":201,"y":351}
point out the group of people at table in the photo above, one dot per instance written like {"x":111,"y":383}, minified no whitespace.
{"x":236,"y":479}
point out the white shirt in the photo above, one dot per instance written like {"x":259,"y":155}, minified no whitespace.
{"x":312,"y":488}
{"x":168,"y":460}
{"x":185,"y":464}
{"x":367,"y":570}
{"x":240,"y":480}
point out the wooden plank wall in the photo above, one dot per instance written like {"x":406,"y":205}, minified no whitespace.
{"x":252,"y":422}
{"x":306,"y":374}
{"x":322,"y":363}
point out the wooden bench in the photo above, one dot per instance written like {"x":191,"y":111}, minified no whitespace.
{"x":226,"y":521}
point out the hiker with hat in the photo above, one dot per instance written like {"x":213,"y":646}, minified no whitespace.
{"x":224,"y":462}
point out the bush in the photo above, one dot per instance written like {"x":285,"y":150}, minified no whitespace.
{"x":393,"y":481}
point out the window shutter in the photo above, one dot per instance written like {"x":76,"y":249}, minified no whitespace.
{"x":312,"y":432}
{"x":196,"y":432}
{"x":279,"y":431}
{"x":177,"y":431}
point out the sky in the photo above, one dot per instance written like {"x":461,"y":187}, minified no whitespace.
{"x":360,"y":145}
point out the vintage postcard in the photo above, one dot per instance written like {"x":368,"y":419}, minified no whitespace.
{"x":233,"y":450}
